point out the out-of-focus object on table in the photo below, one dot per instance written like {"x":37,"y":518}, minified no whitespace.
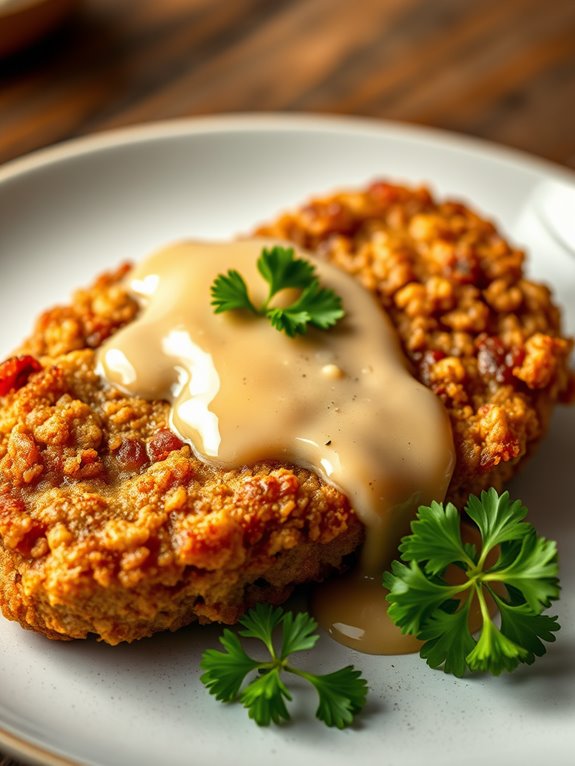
{"x":23,"y":22}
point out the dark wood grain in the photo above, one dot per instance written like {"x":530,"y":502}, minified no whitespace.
{"x":499,"y":69}
{"x":503,"y":70}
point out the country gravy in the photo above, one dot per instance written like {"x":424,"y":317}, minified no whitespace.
{"x":339,"y":402}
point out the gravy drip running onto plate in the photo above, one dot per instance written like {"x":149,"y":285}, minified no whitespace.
{"x":339,"y":402}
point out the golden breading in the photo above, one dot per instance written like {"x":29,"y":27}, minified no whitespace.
{"x":110,"y":526}
{"x":485,"y":339}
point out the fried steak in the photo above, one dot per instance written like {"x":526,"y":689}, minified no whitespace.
{"x":109,"y":525}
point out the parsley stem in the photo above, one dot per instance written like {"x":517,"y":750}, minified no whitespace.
{"x":301,"y":673}
{"x":270,"y":665}
{"x":460,"y":587}
{"x":500,"y":576}
{"x":485,"y":551}
{"x":482,"y":603}
{"x":266,"y":303}
{"x":250,"y":306}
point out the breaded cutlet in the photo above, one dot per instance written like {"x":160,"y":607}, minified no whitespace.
{"x":109,"y":525}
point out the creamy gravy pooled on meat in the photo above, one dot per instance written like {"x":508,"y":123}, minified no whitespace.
{"x":339,"y":402}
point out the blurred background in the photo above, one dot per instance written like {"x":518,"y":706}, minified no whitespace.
{"x":503,"y":70}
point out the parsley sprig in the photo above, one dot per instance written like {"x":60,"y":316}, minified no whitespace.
{"x":342,"y":694}
{"x":424,"y":604}
{"x":316,"y":305}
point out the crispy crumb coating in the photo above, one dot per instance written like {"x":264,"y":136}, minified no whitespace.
{"x":110,"y":526}
{"x":484,"y":338}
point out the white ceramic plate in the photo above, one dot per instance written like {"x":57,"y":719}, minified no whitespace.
{"x":69,"y":212}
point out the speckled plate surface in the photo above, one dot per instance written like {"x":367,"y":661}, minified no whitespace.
{"x":70,"y":212}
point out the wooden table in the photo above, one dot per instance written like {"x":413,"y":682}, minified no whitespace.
{"x":500,"y":69}
{"x":503,"y":70}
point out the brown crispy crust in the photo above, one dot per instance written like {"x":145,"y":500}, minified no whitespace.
{"x":109,"y":524}
{"x":484,"y":338}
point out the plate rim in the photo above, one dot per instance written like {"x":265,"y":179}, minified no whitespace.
{"x":275,"y":122}
{"x":18,"y":747}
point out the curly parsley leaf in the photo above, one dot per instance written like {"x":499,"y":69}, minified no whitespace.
{"x":416,"y":596}
{"x":494,"y":652}
{"x":499,"y":519}
{"x":261,"y":623}
{"x":265,"y":698}
{"x":317,"y":306}
{"x":530,"y":568}
{"x":227,"y":669}
{"x":229,"y":292}
{"x":341,"y":694}
{"x":522,"y":627}
{"x":447,"y":639}
{"x":521,"y":583}
{"x":299,"y":634}
{"x":436,"y":538}
{"x":281,"y":270}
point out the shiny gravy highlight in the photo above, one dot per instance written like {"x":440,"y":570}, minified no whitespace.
{"x":339,"y":402}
